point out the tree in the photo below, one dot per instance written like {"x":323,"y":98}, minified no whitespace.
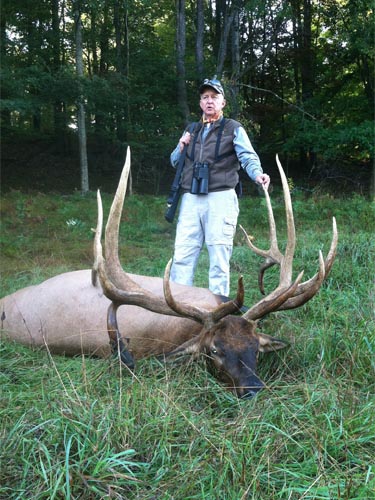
{"x":199,"y":43}
{"x":59,"y":105}
{"x":180,"y":59}
{"x":81,"y":115}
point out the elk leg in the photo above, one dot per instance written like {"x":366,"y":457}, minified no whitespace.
{"x":117,"y":344}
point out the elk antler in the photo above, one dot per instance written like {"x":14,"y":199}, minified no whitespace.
{"x":121,"y":289}
{"x":207,"y":318}
{"x":116,"y":284}
{"x":287,"y":295}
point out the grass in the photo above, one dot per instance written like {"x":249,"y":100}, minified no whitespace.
{"x":80,"y":428}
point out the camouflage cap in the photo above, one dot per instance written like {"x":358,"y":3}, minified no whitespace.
{"x":213,"y":84}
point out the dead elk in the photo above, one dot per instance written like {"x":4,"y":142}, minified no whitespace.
{"x":229,"y":343}
{"x":68,"y":314}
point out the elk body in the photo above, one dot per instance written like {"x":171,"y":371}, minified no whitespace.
{"x":74,"y":313}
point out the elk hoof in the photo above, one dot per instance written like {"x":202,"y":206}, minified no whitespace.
{"x":127,"y":359}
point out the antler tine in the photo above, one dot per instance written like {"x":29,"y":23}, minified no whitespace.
{"x":287,"y":263}
{"x":287,"y":296}
{"x":333,"y":249}
{"x":286,"y":288}
{"x":207,"y":318}
{"x":273,"y":301}
{"x":116,"y":284}
{"x":182,"y":308}
{"x":98,"y":250}
{"x":233,"y":306}
{"x":114,"y":217}
{"x":308,"y":289}
{"x":273,"y":255}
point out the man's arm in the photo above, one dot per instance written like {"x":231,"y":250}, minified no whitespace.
{"x":248,"y":158}
{"x":176,"y":153}
{"x":175,"y":156}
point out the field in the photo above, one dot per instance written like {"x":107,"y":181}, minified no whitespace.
{"x":83,"y":428}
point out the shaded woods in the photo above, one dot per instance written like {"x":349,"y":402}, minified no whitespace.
{"x":298,"y":74}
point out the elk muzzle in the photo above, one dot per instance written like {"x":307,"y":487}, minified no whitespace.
{"x":233,"y":360}
{"x":244,"y":382}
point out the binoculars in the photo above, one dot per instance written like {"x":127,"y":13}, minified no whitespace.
{"x":199,"y":183}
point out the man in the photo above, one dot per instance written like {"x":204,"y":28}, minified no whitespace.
{"x":216,"y":149}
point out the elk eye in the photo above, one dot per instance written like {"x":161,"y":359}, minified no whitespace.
{"x":214,"y":351}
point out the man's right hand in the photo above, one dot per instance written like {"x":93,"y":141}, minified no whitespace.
{"x":184,"y":141}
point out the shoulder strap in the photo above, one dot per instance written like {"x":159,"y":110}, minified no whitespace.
{"x":198,"y":126}
{"x":219,"y":157}
{"x":177,"y":178}
{"x":218,"y":140}
{"x":195,"y":127}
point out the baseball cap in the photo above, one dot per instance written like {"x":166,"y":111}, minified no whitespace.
{"x":214,"y":84}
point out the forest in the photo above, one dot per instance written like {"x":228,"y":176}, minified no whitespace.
{"x":83,"y":79}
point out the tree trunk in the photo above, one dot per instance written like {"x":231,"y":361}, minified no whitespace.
{"x":296,"y":23}
{"x":5,"y":113}
{"x":372,"y":185}
{"x":59,"y":105}
{"x":120,"y":68}
{"x":303,"y":66}
{"x":127,"y":45}
{"x":307,"y":56}
{"x":81,"y":115}
{"x":93,"y":60}
{"x":118,"y":37}
{"x":236,"y":68}
{"x":180,"y":59}
{"x":104,"y":41}
{"x":227,"y":24}
{"x":199,"y":57}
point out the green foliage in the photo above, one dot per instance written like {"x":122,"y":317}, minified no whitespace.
{"x":130,"y":91}
{"x":85,"y":428}
{"x":341,"y":142}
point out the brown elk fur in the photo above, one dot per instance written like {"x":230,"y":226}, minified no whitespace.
{"x":68,"y":314}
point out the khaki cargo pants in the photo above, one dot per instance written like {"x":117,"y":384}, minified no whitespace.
{"x":205,"y":219}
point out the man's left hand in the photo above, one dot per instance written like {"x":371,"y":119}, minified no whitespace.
{"x":264,"y":180}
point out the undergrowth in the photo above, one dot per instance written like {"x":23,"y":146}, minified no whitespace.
{"x":80,"y":428}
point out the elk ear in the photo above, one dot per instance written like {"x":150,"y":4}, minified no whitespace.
{"x":269,"y":344}
{"x":191,"y":347}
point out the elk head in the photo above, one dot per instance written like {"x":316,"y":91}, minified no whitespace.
{"x":230,"y":343}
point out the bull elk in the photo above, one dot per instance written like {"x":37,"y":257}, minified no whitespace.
{"x":71,"y":314}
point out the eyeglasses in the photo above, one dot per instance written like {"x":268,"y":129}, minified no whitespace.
{"x":215,"y":97}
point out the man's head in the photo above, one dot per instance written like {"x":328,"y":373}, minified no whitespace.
{"x":212,"y":99}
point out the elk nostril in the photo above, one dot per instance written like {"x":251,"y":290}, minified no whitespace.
{"x":248,"y":392}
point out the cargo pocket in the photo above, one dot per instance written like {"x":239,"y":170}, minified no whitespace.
{"x":229,"y":227}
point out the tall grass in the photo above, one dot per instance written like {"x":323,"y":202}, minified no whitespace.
{"x":86,"y":429}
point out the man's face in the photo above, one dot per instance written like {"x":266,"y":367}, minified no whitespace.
{"x":211,"y":103}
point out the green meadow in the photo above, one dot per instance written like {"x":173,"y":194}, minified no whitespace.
{"x":81,"y":428}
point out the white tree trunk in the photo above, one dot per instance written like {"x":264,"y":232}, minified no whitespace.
{"x":81,"y":115}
